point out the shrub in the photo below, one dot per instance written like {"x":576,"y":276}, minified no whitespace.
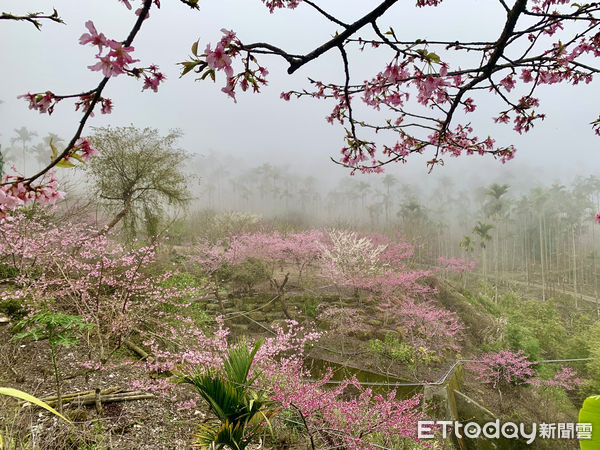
{"x":401,"y":352}
{"x":13,"y":307}
{"x":248,"y":274}
{"x":8,"y":272}
{"x":521,"y":338}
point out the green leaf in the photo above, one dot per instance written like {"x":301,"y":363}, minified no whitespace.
{"x":64,"y":341}
{"x":31,"y":399}
{"x":432,"y":57}
{"x":195,"y":48}
{"x":188,"y":66}
{"x":65,"y":163}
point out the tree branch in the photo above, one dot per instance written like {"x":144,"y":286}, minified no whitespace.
{"x":98,"y":94}
{"x":329,"y":16}
{"x":340,"y":38}
{"x":34,"y":18}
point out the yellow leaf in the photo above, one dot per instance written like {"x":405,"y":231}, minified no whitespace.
{"x":31,"y":399}
{"x":78,"y":158}
{"x":54,"y":150}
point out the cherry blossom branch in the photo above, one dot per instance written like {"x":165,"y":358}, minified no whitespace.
{"x":97,"y":95}
{"x":340,"y":38}
{"x":34,"y":18}
{"x":346,"y":90}
{"x":490,"y":67}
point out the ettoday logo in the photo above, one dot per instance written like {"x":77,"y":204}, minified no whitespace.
{"x":507,"y":430}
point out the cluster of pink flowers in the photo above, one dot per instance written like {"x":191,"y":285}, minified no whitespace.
{"x":348,"y":421}
{"x":504,"y":368}
{"x":83,"y":147}
{"x":86,"y":100}
{"x":274,"y":4}
{"x":113,"y":63}
{"x":457,"y":265}
{"x":15,"y":192}
{"x":86,"y":272}
{"x":152,"y":78}
{"x":274,"y":249}
{"x":117,"y":61}
{"x":42,"y":102}
{"x":221,"y":58}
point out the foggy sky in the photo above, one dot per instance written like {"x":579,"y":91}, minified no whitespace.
{"x":261,"y":127}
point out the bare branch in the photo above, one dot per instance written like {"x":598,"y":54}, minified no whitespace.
{"x":34,"y":18}
{"x":329,"y":16}
{"x":340,"y":38}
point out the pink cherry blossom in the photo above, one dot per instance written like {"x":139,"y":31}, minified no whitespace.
{"x":93,"y":37}
{"x":83,"y":145}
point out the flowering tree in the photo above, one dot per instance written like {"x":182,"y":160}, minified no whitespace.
{"x":347,"y":415}
{"x":427,"y":88}
{"x":328,"y":414}
{"x":85,"y":273}
{"x":371,"y":263}
{"x":508,"y":368}
{"x":212,"y":258}
{"x":350,"y":260}
{"x":277,"y":252}
{"x":377,"y":265}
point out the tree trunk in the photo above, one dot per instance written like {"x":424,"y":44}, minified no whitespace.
{"x":281,"y":293}
{"x":574,"y":266}
{"x":542,"y":260}
{"x":118,"y":217}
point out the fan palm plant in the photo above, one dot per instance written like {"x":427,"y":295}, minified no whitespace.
{"x":240,"y":411}
{"x":483,"y":231}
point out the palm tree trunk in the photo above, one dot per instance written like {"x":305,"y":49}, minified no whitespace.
{"x":542,"y":260}
{"x":574,"y":266}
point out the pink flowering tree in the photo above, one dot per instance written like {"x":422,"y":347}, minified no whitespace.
{"x":460,"y":266}
{"x":427,"y":89}
{"x":506,"y":368}
{"x":455,"y":265}
{"x":83,"y":272}
{"x":429,"y":326}
{"x":212,"y":258}
{"x":304,"y":249}
{"x":278,"y":252}
{"x":347,"y":415}
{"x":377,"y":266}
{"x":275,"y":250}
{"x":333,"y":418}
